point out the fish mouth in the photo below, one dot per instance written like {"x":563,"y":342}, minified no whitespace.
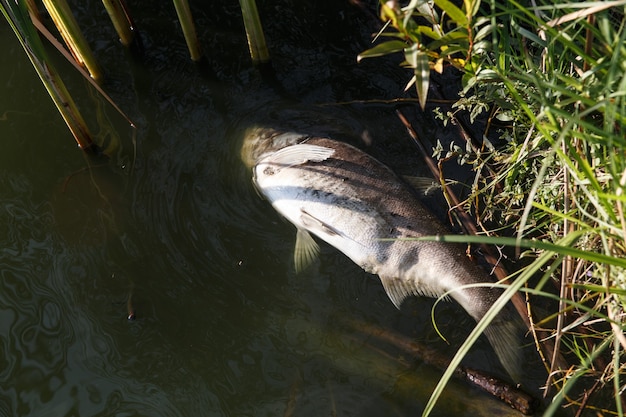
{"x":260,"y":140}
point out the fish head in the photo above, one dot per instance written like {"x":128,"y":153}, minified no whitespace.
{"x":260,"y":141}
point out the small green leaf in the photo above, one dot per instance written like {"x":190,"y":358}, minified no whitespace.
{"x":429,"y":31}
{"x":472,"y":6}
{"x":418,"y":60}
{"x":528,"y":34}
{"x":381,"y":49}
{"x":483,"y":32}
{"x":453,"y":37}
{"x":454,"y":12}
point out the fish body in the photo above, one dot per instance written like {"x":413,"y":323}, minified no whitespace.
{"x":358,"y":205}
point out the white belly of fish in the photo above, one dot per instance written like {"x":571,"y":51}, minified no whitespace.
{"x":344,"y":223}
{"x":321,"y":205}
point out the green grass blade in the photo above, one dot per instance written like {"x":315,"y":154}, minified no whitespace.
{"x":560,"y":248}
{"x":517,"y":284}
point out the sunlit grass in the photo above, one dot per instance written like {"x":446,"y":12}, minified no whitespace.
{"x":556,"y":75}
{"x":564,"y":86}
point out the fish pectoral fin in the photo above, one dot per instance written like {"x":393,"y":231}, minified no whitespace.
{"x":313,"y":223}
{"x":396,"y":289}
{"x":300,"y":154}
{"x":306,"y":250}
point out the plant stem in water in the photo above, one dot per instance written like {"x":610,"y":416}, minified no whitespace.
{"x":254,"y":32}
{"x":68,"y":27}
{"x":189,"y":30}
{"x":118,"y":17}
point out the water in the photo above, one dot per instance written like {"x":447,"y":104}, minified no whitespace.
{"x":171,"y":228}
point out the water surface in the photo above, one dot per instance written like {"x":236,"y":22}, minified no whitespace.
{"x":171,"y":228}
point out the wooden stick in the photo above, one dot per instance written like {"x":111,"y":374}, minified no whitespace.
{"x":502,"y":390}
{"x":466,"y":220}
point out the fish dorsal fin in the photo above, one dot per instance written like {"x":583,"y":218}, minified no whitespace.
{"x":300,"y":154}
{"x":306,"y":250}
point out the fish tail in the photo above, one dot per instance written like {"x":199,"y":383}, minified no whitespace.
{"x":504,"y":336}
{"x":505,"y":330}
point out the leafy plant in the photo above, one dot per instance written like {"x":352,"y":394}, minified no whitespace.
{"x":556,"y":75}
{"x":429,"y":34}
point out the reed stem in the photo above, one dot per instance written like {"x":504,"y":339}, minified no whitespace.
{"x":254,"y":32}
{"x":189,"y":29}
{"x":18,"y":18}
{"x":32,"y":8}
{"x":120,"y":21}
{"x":68,"y":27}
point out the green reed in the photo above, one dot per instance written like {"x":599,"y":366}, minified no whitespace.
{"x":68,"y":27}
{"x":17,"y":16}
{"x":189,"y":29}
{"x":121,"y":20}
{"x":254,"y":32}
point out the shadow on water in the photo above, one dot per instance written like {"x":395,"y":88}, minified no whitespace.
{"x":172,"y":228}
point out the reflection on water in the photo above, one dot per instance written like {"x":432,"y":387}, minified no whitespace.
{"x":223,"y":326}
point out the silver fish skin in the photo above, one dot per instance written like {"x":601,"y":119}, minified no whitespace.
{"x":353,"y":202}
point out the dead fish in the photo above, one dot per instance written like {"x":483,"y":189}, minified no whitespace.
{"x":353,"y":202}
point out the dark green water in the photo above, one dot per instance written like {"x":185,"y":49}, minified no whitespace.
{"x":223,"y":325}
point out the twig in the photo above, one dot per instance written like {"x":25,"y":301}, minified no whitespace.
{"x":502,"y":390}
{"x":566,"y":277}
{"x":586,"y":396}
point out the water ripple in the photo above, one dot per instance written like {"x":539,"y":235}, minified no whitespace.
{"x":58,"y":354}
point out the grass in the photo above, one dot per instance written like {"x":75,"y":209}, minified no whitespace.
{"x":555,"y":75}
